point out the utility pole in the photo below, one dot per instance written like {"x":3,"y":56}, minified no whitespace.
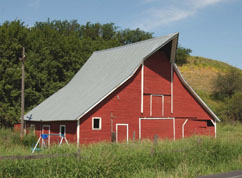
{"x":22,"y":95}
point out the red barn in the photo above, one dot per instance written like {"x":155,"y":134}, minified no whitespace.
{"x":132,"y":91}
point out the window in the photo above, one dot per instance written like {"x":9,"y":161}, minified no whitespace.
{"x":63,"y":130}
{"x":96,"y":123}
{"x":32,"y":129}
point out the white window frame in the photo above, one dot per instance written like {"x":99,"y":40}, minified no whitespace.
{"x":60,"y":129}
{"x":100,"y":123}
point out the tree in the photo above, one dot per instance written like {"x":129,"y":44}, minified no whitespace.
{"x":182,"y":54}
{"x":226,"y":85}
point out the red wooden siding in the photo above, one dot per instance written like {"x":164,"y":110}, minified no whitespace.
{"x":157,"y":74}
{"x":121,"y":133}
{"x":163,"y":128}
{"x":196,"y":127}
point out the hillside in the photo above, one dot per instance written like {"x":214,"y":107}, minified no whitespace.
{"x":200,"y":73}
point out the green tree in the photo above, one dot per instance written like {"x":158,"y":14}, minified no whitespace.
{"x":228,"y":84}
{"x":182,"y":54}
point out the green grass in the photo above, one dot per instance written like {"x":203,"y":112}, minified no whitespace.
{"x":191,"y":157}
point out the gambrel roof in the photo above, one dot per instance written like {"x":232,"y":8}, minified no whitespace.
{"x":103,"y":72}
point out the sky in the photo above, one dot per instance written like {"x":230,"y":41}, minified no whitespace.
{"x":210,"y":28}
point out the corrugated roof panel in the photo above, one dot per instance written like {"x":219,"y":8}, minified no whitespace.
{"x":104,"y":71}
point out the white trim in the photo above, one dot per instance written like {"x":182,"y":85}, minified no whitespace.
{"x":127,"y":133}
{"x":194,"y":94}
{"x":48,"y":133}
{"x":183,"y":125}
{"x":78,"y":132}
{"x":172,"y":88}
{"x":142,"y":88}
{"x":60,"y":130}
{"x":100,"y":123}
{"x":163,"y":105}
{"x":215,"y":127}
{"x":174,"y":129}
{"x":150,"y":105}
{"x":157,"y":118}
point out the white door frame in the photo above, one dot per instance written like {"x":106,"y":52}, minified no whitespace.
{"x":159,"y":118}
{"x":127,"y":126}
{"x":48,"y":133}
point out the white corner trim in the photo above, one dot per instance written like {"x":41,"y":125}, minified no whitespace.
{"x":174,"y":129}
{"x":78,"y":132}
{"x":183,"y":127}
{"x":150,"y":105}
{"x":215,"y":127}
{"x":100,"y":123}
{"x":127,"y":132}
{"x":163,"y":105}
{"x":142,"y":88}
{"x":172,"y":88}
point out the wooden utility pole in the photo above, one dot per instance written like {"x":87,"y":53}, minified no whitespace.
{"x":22,"y":95}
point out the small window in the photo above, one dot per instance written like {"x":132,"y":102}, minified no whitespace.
{"x":63,"y":130}
{"x":209,"y":123}
{"x":96,"y":123}
{"x":32,"y":129}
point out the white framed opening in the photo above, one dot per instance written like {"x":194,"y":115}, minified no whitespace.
{"x":62,"y":130}
{"x":127,"y":131}
{"x":96,"y":123}
{"x":46,"y":130}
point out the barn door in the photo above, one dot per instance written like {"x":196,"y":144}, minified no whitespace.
{"x":122,"y":133}
{"x":46,"y":130}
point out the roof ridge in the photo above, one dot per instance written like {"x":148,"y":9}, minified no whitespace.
{"x":139,"y":42}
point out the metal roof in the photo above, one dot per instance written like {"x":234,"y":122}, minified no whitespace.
{"x":103,"y":72}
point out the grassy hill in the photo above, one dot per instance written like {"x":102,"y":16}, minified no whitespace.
{"x":200,"y":73}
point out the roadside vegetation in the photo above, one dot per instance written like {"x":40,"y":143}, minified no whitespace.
{"x":190,"y":157}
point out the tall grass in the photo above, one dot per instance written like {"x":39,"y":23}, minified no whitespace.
{"x":191,"y":157}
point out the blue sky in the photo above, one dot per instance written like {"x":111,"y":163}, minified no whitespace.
{"x":211,"y":28}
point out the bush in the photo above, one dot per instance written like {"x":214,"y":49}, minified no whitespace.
{"x":232,"y":109}
{"x":29,"y":140}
